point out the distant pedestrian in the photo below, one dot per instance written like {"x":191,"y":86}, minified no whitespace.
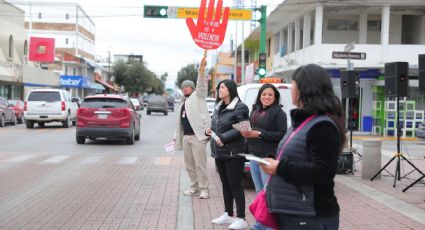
{"x":190,"y":136}
{"x":301,"y":190}
{"x":268,"y":123}
{"x":228,"y":143}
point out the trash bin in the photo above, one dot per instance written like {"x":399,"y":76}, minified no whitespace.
{"x":371,"y":161}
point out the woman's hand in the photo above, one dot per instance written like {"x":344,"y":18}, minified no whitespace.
{"x":219,"y":142}
{"x":208,"y":131}
{"x":270,"y":169}
{"x":250,"y":134}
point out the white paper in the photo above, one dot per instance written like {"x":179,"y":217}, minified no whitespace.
{"x":170,"y":147}
{"x":243,"y":126}
{"x":214,"y":136}
{"x":254,"y":158}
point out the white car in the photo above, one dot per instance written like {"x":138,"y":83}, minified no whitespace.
{"x":49,"y":105}
{"x":248,"y":93}
{"x":210,"y":105}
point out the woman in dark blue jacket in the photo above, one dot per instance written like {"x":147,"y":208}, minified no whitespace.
{"x":226,"y":144}
{"x":301,"y":192}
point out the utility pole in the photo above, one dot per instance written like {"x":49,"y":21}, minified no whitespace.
{"x":263,"y":24}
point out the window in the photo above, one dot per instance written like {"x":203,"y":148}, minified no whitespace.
{"x":67,"y":16}
{"x":66,"y":41}
{"x":39,"y":15}
{"x":374,"y":25}
{"x":26,"y":48}
{"x":11,"y":47}
{"x":343,"y":24}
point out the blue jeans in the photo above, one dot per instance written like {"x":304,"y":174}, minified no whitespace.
{"x":259,"y":177}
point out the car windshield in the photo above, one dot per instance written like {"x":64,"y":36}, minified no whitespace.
{"x":44,"y":96}
{"x":104,"y":103}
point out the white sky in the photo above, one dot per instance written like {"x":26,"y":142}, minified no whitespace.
{"x":166,"y":44}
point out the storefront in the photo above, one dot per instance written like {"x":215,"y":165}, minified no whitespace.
{"x":79,"y":86}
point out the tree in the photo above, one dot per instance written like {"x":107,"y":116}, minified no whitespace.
{"x":164,"y":77}
{"x":189,"y":72}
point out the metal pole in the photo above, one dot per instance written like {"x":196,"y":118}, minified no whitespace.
{"x":243,"y":51}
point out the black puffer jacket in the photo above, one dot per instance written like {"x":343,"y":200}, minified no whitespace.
{"x":221,"y":124}
{"x":271,"y":122}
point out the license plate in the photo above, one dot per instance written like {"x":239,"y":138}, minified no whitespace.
{"x":102,"y":116}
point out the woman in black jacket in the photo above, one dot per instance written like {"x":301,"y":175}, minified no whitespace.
{"x":226,"y":144}
{"x":302,"y":191}
{"x":268,"y":123}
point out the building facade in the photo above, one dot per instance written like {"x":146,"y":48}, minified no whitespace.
{"x":301,"y":32}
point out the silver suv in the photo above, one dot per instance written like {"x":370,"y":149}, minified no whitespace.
{"x":49,"y":105}
{"x":157,"y":103}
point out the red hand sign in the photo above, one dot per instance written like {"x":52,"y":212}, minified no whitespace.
{"x":209,"y":33}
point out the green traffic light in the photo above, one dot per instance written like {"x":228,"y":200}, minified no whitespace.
{"x":155,"y":12}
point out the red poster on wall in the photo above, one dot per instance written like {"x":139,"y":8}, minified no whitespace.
{"x":209,"y":33}
{"x":42,"y":49}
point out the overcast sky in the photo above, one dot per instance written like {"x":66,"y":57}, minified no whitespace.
{"x":166,"y":44}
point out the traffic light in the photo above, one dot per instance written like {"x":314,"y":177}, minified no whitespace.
{"x":155,"y":11}
{"x":261,"y":71}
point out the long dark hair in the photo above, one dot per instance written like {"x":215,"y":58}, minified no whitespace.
{"x":316,"y":95}
{"x":260,"y":91}
{"x":231,"y":86}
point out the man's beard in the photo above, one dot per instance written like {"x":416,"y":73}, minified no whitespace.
{"x":187,"y":95}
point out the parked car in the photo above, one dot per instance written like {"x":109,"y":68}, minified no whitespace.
{"x":7,"y":115}
{"x":18,"y":108}
{"x":76,"y":100}
{"x":49,"y":105}
{"x":157,"y":103}
{"x":107,"y":116}
{"x":420,"y":131}
{"x":171,"y":100}
{"x":136,"y":103}
{"x":210,"y":105}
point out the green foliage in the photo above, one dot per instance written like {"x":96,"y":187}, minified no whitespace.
{"x":189,"y":72}
{"x":136,"y":78}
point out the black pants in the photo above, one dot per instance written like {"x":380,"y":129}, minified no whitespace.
{"x":231,"y":172}
{"x":289,"y":222}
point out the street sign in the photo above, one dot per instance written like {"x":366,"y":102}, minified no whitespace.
{"x":348,"y":55}
{"x":349,"y":47}
{"x":235,"y":14}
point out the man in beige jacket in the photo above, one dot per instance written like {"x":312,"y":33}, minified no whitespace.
{"x":190,"y":135}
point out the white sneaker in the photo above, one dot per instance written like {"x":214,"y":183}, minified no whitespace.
{"x":191,"y":192}
{"x":238,"y":223}
{"x":223,"y":219}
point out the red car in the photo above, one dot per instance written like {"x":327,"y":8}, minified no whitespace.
{"x":6,"y":113}
{"x":109,"y":116}
{"x":18,"y":107}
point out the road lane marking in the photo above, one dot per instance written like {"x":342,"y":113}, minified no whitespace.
{"x":91,"y":160}
{"x":162,"y":161}
{"x":19,"y":158}
{"x":54,"y":159}
{"x":128,"y":160}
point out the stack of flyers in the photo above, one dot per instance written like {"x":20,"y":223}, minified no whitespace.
{"x":170,"y":147}
{"x":243,"y":126}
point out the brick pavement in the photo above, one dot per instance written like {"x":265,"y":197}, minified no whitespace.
{"x":358,"y":210}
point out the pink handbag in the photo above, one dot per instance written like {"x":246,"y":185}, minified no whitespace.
{"x":259,"y":207}
{"x":261,"y":213}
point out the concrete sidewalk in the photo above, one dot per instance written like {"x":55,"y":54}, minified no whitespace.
{"x":364,"y":204}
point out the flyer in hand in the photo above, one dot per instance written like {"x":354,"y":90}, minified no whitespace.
{"x":254,"y":158}
{"x":243,"y":126}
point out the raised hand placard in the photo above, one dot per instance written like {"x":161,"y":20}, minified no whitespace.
{"x":209,"y":32}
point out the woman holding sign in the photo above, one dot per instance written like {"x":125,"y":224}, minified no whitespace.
{"x":301,"y":191}
{"x":227,"y":142}
{"x":268,"y":122}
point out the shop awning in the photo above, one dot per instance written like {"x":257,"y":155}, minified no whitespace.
{"x":106,"y":85}
{"x":95,"y":85}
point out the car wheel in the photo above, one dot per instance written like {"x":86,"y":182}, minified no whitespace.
{"x":130,"y":139}
{"x":2,"y":121}
{"x":41,"y":124}
{"x":137,"y":137}
{"x":74,"y":123}
{"x":148,"y":112}
{"x":67,"y":123}
{"x":30,"y":124}
{"x":80,"y":139}
{"x":166,"y":113}
{"x":172,"y":110}
{"x":22,"y":120}
{"x":14,"y":120}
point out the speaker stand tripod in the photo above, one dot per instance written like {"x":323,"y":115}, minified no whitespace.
{"x":398,"y":155}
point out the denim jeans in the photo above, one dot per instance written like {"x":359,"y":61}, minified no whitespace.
{"x":259,"y":177}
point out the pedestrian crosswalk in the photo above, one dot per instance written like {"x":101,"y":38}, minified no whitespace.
{"x":79,"y":159}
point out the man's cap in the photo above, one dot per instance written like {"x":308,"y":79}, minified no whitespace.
{"x":188,"y":83}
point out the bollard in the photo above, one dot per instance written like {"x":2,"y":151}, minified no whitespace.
{"x":371,"y":161}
